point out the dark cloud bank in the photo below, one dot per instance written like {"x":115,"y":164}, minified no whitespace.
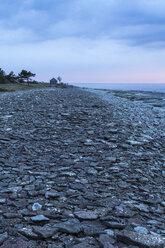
{"x":137,"y":22}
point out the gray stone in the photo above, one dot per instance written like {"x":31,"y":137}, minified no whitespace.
{"x":36,"y":206}
{"x":111,"y":159}
{"x":28,"y":232}
{"x":45,"y":231}
{"x":142,"y":240}
{"x":110,"y":232}
{"x":86,"y":215}
{"x":142,"y":207}
{"x":68,"y":173}
{"x":92,"y":171}
{"x":115,"y":224}
{"x":163,"y":203}
{"x":105,"y":241}
{"x":50,"y":194}
{"x":134,"y":142}
{"x":39,"y":218}
{"x":71,"y":226}
{"x":3,"y":237}
{"x":2,"y":201}
{"x":141,"y":229}
{"x":92,"y":229}
{"x":18,"y":242}
{"x":12,"y":215}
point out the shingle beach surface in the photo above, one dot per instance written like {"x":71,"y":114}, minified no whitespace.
{"x":81,"y":169}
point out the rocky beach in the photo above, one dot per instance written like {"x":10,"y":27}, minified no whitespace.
{"x":81,"y":169}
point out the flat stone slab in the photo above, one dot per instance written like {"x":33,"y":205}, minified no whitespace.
{"x":142,"y":240}
{"x":86,"y":215}
{"x":39,"y":218}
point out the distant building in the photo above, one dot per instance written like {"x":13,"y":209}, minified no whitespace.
{"x":53,"y":81}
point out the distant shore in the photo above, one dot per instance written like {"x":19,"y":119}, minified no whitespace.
{"x":155,"y":99}
{"x":124,"y":86}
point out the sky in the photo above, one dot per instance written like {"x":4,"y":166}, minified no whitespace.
{"x":84,"y":41}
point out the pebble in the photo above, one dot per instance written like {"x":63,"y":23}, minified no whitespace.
{"x":36,"y":206}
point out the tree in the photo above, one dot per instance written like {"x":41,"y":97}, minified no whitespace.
{"x":59,"y":79}
{"x":11,"y":77}
{"x":26,"y":75}
{"x":2,"y":76}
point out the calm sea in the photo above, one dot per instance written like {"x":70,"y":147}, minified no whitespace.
{"x":116,"y":86}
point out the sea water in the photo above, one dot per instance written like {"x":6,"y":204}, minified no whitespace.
{"x":124,"y":86}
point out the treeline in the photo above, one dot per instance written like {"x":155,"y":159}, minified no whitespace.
{"x":23,"y":77}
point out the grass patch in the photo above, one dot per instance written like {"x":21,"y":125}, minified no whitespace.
{"x":3,"y":90}
{"x":18,"y":87}
{"x":131,"y":98}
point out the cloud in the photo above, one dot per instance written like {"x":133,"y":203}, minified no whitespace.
{"x":16,"y":36}
{"x":86,"y":60}
{"x":139,"y":21}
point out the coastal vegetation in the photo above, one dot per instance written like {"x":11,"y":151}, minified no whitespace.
{"x":23,"y":81}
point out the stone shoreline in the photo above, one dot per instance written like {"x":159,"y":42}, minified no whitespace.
{"x":80,"y":169}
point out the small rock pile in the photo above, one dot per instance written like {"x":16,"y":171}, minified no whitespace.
{"x":77,"y":171}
